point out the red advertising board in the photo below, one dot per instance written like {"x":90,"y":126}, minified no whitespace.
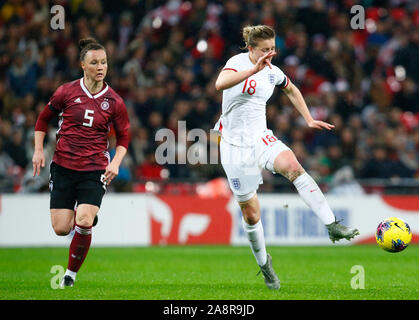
{"x":194,"y":220}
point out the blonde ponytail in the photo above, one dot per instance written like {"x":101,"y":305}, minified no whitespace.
{"x":253,"y":34}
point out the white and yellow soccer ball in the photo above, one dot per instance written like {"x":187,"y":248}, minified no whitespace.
{"x":393,"y":234}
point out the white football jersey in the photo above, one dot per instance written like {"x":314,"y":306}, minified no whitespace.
{"x":243,"y":116}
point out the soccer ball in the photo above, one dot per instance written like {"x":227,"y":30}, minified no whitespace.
{"x":393,"y":234}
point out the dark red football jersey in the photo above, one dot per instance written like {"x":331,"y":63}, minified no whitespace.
{"x":84,"y":124}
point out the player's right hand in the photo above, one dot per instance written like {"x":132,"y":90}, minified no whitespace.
{"x":38,"y":161}
{"x":264,"y":61}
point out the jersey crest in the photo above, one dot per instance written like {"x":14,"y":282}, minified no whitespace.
{"x":236,"y":183}
{"x":271,"y":78}
{"x":104,"y":105}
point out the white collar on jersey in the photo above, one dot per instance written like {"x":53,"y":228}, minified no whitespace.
{"x":86,"y":91}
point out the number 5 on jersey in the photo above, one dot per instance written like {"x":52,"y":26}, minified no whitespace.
{"x":88,"y":115}
{"x":251,"y":89}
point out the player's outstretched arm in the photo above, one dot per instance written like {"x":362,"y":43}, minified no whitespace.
{"x":229,"y":78}
{"x":297,"y":100}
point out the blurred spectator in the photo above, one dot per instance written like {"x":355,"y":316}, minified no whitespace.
{"x":6,"y":168}
{"x":15,"y":148}
{"x":407,"y":99}
{"x":344,"y":183}
{"x":380,"y":166}
{"x":150,"y":169}
{"x":22,"y":76}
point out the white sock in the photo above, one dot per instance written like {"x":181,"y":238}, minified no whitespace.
{"x":71,"y":274}
{"x":314,"y":198}
{"x":256,"y":239}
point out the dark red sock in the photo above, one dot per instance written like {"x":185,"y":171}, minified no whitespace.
{"x":79,"y":247}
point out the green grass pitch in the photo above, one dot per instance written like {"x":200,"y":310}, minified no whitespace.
{"x":212,"y":273}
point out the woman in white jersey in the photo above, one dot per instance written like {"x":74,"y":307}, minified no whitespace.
{"x":247,"y":146}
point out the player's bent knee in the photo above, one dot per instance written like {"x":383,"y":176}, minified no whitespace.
{"x":251,"y":216}
{"x":292,"y":171}
{"x":86,"y":214}
{"x":250,"y":209}
{"x":84,"y":220}
{"x":287,"y":165}
{"x":295,"y":167}
{"x":62,"y":230}
{"x":62,"y":221}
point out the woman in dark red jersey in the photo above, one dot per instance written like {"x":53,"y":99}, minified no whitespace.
{"x":81,"y":168}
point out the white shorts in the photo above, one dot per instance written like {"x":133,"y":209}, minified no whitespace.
{"x":244,"y":165}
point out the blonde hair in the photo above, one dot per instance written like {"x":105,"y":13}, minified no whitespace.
{"x":253,"y":34}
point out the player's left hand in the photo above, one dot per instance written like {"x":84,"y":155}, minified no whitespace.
{"x":317,"y":124}
{"x":111,"y":172}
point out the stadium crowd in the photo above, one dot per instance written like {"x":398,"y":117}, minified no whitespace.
{"x":164,"y":57}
